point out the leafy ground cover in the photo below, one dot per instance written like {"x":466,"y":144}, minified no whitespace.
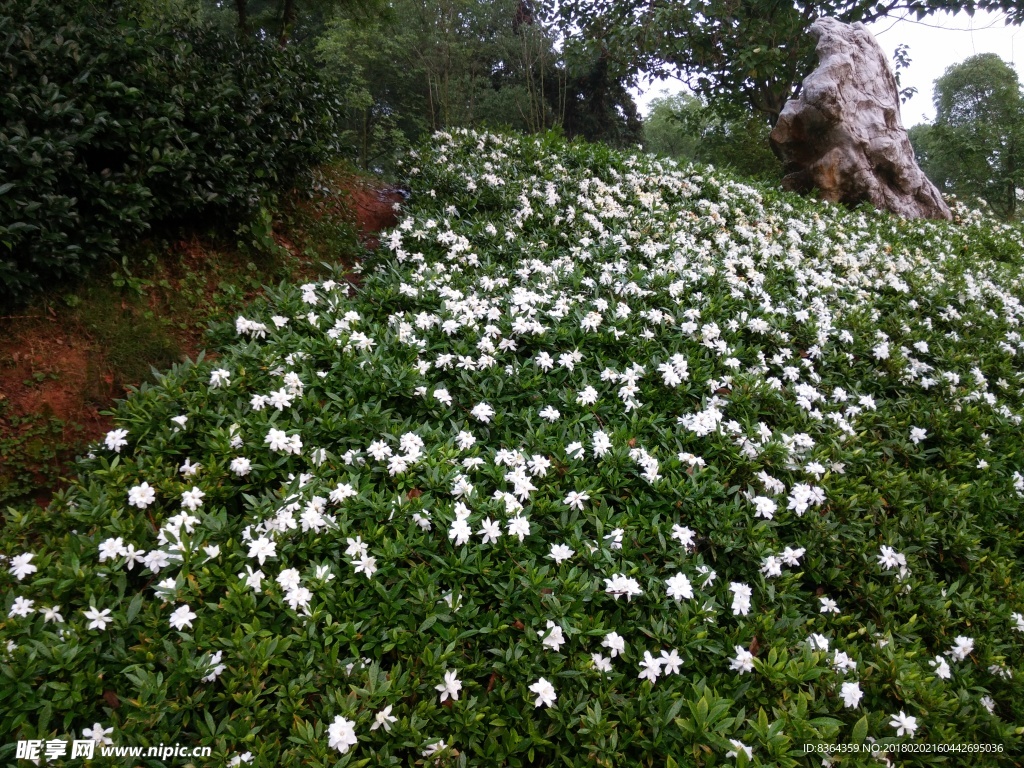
{"x":606,"y":462}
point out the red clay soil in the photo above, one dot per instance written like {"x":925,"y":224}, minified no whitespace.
{"x":367,"y":203}
{"x":375,"y":208}
{"x":50,"y":367}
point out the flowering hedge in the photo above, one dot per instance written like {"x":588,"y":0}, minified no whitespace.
{"x":606,"y":462}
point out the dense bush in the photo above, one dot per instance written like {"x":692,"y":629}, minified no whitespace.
{"x":110,"y":123}
{"x":607,"y":463}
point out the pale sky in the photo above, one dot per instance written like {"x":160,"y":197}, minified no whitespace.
{"x":936,"y":42}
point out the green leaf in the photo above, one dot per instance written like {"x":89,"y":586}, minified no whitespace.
{"x":860,"y":731}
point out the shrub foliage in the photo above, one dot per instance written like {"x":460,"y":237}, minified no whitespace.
{"x":111,"y":123}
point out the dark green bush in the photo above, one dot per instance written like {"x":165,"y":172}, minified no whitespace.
{"x":110,"y":124}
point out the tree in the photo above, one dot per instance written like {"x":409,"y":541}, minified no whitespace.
{"x":286,"y":20}
{"x":975,"y":148}
{"x":683,"y":127}
{"x":749,"y":52}
{"x":596,"y":99}
{"x":425,"y":65}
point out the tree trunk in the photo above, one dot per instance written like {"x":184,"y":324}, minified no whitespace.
{"x":287,"y":20}
{"x":243,"y":18}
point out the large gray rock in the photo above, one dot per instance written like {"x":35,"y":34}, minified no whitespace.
{"x":843,"y":136}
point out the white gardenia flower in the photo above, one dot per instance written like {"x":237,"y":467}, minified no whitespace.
{"x":851,"y":694}
{"x":601,"y":663}
{"x":116,"y":439}
{"x":141,"y":496}
{"x":615,"y":643}
{"x":482,"y":412}
{"x":289,"y":579}
{"x":737,"y":747}
{"x":52,"y":614}
{"x":555,"y":638}
{"x":962,"y":648}
{"x":741,"y":594}
{"x":182,"y":617}
{"x":560,"y":553}
{"x":99,"y":734}
{"x":519,"y":527}
{"x":193,"y":499}
{"x":220,"y":378}
{"x":684,"y":536}
{"x":21,"y":607}
{"x":281,"y":398}
{"x":460,"y":532}
{"x":764,"y":507}
{"x":241,"y":466}
{"x":341,"y":492}
{"x":545,"y":693}
{"x":917,"y":435}
{"x":791,"y":557}
{"x":903,"y":723}
{"x":550,"y":413}
{"x":111,"y":549}
{"x":367,"y":565}
{"x":679,"y":587}
{"x":383,"y":719}
{"x":215,"y":667}
{"x":298,"y":598}
{"x":97,"y":619}
{"x":433,"y":748}
{"x":21,"y":567}
{"x":890,"y":558}
{"x":156,"y":559}
{"x":450,"y":687}
{"x":620,"y":584}
{"x":651,"y":668}
{"x":575,"y":500}
{"x":490,"y":531}
{"x":278,"y":441}
{"x":743,"y":662}
{"x":842,"y":663}
{"x":262,"y":548}
{"x":818,"y":642}
{"x":671,"y":661}
{"x":253,"y":579}
{"x":341,"y":734}
{"x":941,"y":666}
{"x":538,"y":465}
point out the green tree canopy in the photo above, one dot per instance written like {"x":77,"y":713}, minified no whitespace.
{"x":426,"y":65}
{"x":685,"y":128}
{"x":975,"y":148}
{"x":750,"y":52}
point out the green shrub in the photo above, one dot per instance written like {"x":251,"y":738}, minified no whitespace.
{"x":110,"y":124}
